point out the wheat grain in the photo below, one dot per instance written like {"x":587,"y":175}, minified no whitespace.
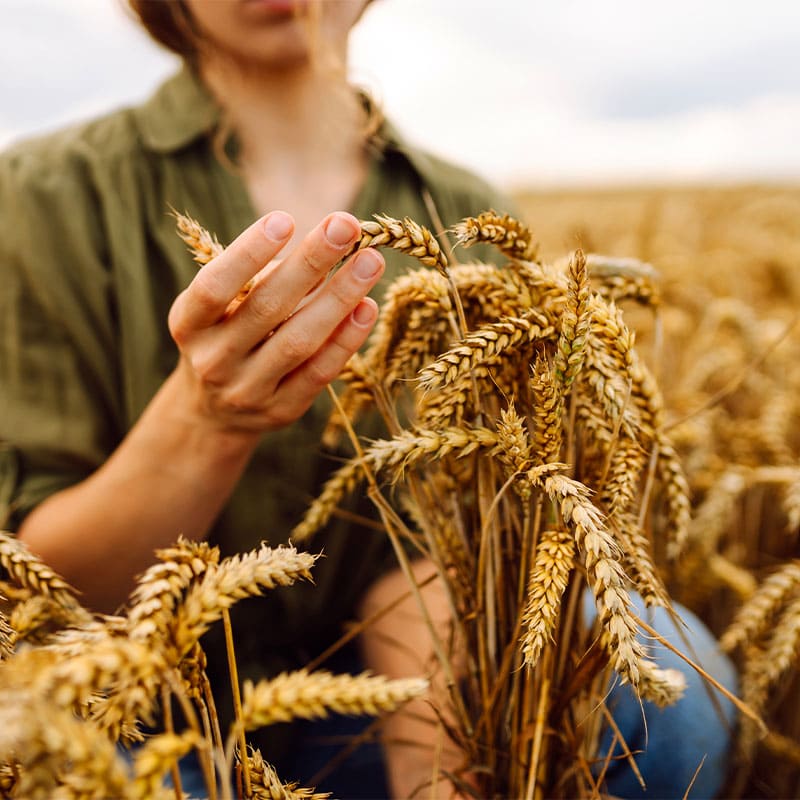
{"x":576,"y":321}
{"x":231,"y":580}
{"x":203,"y":245}
{"x":508,"y":234}
{"x":754,"y":618}
{"x":484,"y":346}
{"x":405,"y":235}
{"x":57,"y":755}
{"x":266,"y":785}
{"x":636,"y":556}
{"x":766,"y":667}
{"x":549,"y":575}
{"x":408,"y":448}
{"x":31,"y":572}
{"x":161,"y":587}
{"x":155,"y":759}
{"x":513,"y":447}
{"x":605,"y":574}
{"x":548,"y":410}
{"x":312,"y":695}
{"x":7,"y":637}
{"x":676,"y":494}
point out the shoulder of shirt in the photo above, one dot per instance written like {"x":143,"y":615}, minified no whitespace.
{"x":176,"y":114}
{"x":111,"y":137}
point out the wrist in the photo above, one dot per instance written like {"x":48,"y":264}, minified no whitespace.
{"x":188,"y":429}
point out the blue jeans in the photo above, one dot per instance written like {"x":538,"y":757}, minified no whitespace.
{"x":668,"y":744}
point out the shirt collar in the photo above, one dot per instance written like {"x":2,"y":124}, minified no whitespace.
{"x":180,"y":111}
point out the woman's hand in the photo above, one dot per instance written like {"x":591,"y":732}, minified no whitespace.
{"x":258,"y":365}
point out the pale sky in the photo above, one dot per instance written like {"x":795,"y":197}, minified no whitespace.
{"x":524,"y":92}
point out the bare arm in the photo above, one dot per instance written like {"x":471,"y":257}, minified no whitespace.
{"x":399,"y":645}
{"x":241,"y":372}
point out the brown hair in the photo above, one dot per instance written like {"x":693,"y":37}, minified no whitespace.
{"x":170,"y":24}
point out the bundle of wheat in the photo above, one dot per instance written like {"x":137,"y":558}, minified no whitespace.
{"x":528,"y":450}
{"x":74,"y":684}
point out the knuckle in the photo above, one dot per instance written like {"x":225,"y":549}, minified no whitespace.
{"x":176,"y":322}
{"x":205,"y":291}
{"x":315,"y":263}
{"x":320,"y":374}
{"x":283,"y":414}
{"x":209,"y":368}
{"x":297,"y":348}
{"x":345,"y":294}
{"x":240,"y":402}
{"x":264,"y":307}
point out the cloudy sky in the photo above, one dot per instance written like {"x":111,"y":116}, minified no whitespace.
{"x":525,"y":92}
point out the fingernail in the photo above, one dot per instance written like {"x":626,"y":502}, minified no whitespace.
{"x":365,"y":312}
{"x":367,"y":264}
{"x":278,"y":225}
{"x":340,"y":230}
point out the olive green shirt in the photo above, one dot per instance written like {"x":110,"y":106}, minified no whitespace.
{"x":90,"y":266}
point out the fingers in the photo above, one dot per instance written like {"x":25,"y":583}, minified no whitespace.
{"x":298,"y":390}
{"x":206,"y":299}
{"x":278,"y":293}
{"x":259,"y":365}
{"x":299,"y":338}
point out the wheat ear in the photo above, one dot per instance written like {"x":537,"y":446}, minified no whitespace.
{"x":576,"y":321}
{"x":266,"y":785}
{"x":549,"y":575}
{"x":32,"y":573}
{"x":485,"y":345}
{"x":405,"y":235}
{"x":509,"y":235}
{"x":162,"y":586}
{"x":203,"y":245}
{"x":155,"y":759}
{"x":231,"y":580}
{"x":7,"y":637}
{"x":57,"y":755}
{"x":755,"y":616}
{"x":312,"y":695}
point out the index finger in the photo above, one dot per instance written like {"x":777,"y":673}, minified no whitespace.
{"x":207,"y":297}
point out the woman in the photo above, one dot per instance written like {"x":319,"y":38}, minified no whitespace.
{"x":129,"y":418}
{"x":135,"y":408}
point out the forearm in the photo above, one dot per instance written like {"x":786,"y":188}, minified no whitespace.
{"x":399,"y":644}
{"x":171,"y":475}
{"x":246,"y":367}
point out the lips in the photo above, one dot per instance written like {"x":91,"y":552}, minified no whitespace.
{"x":277,"y":8}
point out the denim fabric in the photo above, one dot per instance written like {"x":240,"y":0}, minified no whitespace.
{"x":668,"y":743}
{"x":674,"y":740}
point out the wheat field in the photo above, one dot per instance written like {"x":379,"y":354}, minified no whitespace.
{"x":725,"y":352}
{"x":611,"y":410}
